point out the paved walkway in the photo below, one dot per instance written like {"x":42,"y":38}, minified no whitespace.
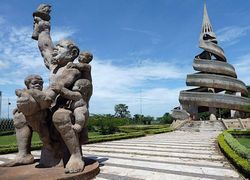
{"x":175,"y":155}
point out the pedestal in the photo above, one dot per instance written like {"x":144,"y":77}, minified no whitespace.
{"x":30,"y":172}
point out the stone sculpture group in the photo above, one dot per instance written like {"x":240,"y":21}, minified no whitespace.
{"x":59,"y":114}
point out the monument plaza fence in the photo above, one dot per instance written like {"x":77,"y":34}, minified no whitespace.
{"x":6,"y":125}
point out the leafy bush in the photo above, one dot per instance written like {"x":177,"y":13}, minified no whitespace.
{"x":236,"y":146}
{"x":158,"y":131}
{"x":106,"y":124}
{"x":166,"y":119}
{"x":203,"y":115}
{"x":136,"y":128}
{"x":239,"y":132}
{"x":4,"y":149}
{"x":242,"y":164}
{"x":118,"y":136}
{"x":6,"y":133}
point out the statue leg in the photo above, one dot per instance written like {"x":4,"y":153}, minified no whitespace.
{"x":62,"y":121}
{"x":39,"y":124}
{"x":23,"y":136}
{"x":81,"y":117}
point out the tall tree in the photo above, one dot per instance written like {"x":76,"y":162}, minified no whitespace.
{"x":121,"y":110}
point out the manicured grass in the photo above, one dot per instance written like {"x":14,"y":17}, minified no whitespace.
{"x":8,"y":142}
{"x":11,"y":139}
{"x":245,"y":141}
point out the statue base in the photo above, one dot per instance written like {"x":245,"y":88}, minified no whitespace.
{"x":32,"y":173}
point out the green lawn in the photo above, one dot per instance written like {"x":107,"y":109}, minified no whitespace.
{"x":245,"y":141}
{"x":8,"y":142}
{"x":11,"y":139}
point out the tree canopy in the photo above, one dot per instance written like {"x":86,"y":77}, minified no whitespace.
{"x":121,"y":110}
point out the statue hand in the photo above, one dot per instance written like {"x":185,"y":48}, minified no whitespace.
{"x":77,"y":128}
{"x":43,"y":25}
{"x":18,"y":92}
{"x":70,"y":65}
{"x":56,"y":88}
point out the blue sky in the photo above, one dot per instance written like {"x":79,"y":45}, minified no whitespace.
{"x":142,"y":48}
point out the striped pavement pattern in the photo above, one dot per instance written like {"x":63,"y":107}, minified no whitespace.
{"x":175,"y":155}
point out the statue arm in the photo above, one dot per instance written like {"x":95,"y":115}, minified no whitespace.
{"x":83,"y":67}
{"x":80,"y":66}
{"x":46,"y":48}
{"x":71,"y":95}
{"x":45,"y":43}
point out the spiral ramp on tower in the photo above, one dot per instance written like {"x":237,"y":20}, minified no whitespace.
{"x":216,"y":79}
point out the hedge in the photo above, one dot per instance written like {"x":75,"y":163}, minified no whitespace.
{"x":4,"y":149}
{"x":242,"y":164}
{"x":158,"y":131}
{"x":239,"y":132}
{"x":7,"y":133}
{"x":115,"y":137}
{"x":136,"y":128}
{"x":133,"y":131}
{"x":236,"y":146}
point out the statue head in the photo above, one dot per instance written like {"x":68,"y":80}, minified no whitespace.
{"x":41,"y":19}
{"x":43,"y":11}
{"x":65,"y":51}
{"x":85,"y":57}
{"x":34,"y":81}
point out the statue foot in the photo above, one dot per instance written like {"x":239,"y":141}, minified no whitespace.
{"x":74,"y":165}
{"x":19,"y":160}
{"x":60,"y":164}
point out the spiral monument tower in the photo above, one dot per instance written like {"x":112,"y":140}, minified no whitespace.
{"x":216,"y":80}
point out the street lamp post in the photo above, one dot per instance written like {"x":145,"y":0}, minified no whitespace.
{"x":9,"y":108}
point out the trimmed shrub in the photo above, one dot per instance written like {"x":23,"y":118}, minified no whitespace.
{"x":242,"y":164}
{"x":134,"y":128}
{"x":158,"y":131}
{"x":118,"y":136}
{"x":4,"y":149}
{"x":236,"y":146}
{"x":7,"y":133}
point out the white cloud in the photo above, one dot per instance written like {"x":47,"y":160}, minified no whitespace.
{"x":57,"y":34}
{"x":232,"y":34}
{"x":114,"y":85}
{"x":20,"y":56}
{"x":242,"y":68}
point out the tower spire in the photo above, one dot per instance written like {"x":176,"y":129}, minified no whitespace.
{"x":206,"y":28}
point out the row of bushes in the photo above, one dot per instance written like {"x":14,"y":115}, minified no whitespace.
{"x":234,"y":152}
{"x":135,"y":128}
{"x":6,"y":133}
{"x":106,"y":124}
{"x":236,"y":146}
{"x":110,"y":125}
{"x":117,"y":136}
{"x":5,"y":149}
{"x":93,"y":139}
